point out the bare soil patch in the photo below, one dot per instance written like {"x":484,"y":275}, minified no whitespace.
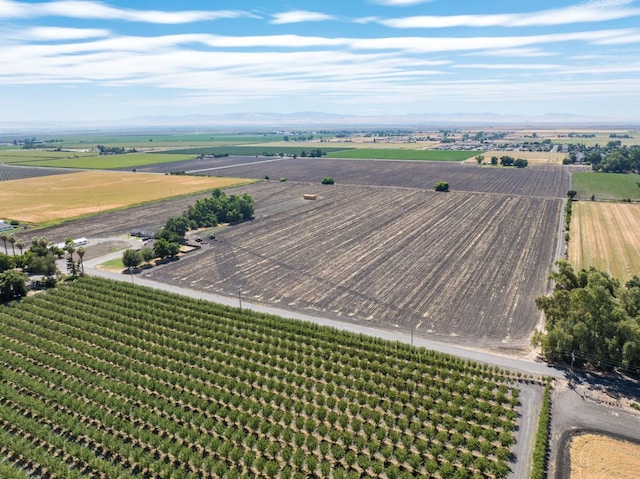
{"x":457,"y":265}
{"x":544,"y":181}
{"x":595,"y":457}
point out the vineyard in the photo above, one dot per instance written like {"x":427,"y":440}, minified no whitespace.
{"x":106,"y":379}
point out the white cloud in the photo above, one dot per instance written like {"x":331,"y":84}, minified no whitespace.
{"x":299,"y":16}
{"x":101,"y":11}
{"x":60,"y":33}
{"x":515,"y":52}
{"x":401,"y":3}
{"x":586,"y":12}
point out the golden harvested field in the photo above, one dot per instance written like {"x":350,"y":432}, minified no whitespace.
{"x":599,"y":457}
{"x":606,"y":236}
{"x":54,"y":198}
{"x":534,"y":157}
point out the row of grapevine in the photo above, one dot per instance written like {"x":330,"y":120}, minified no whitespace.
{"x":105,"y":379}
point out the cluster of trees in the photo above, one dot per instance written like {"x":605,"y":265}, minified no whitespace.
{"x":507,"y":160}
{"x":591,"y":318}
{"x":114,"y":150}
{"x":315,"y":153}
{"x":205,"y":213}
{"x":621,"y":160}
{"x":610,"y":158}
{"x":40,"y":259}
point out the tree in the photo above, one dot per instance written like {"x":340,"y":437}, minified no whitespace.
{"x":479,"y":159}
{"x":327,"y":180}
{"x":13,"y":285}
{"x":591,"y":317}
{"x":20,"y":245}
{"x":81,"y":252}
{"x":494,"y":160}
{"x":572,"y":194}
{"x":6,"y":262}
{"x":506,"y":160}
{"x":520,"y":163}
{"x":147,"y":254}
{"x":161,"y":248}
{"x":12,"y":239}
{"x":4,"y":236}
{"x":441,"y":186}
{"x":131,"y":258}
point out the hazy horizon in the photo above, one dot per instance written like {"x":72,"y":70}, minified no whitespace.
{"x":90,"y":62}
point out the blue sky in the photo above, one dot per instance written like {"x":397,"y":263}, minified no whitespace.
{"x":112,"y":60}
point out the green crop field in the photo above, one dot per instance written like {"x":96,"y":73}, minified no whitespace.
{"x":106,"y":162}
{"x":398,"y":154}
{"x":39,"y":157}
{"x":246,"y":150}
{"x":611,"y":186}
{"x":109,"y":379}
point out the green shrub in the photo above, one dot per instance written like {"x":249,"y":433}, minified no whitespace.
{"x":441,"y":186}
{"x":327,"y":180}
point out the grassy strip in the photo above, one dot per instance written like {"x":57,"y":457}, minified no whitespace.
{"x":106,"y":162}
{"x":613,"y":186}
{"x":254,"y":150}
{"x":398,"y":154}
{"x":539,"y":466}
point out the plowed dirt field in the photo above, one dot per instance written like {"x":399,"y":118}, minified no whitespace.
{"x":458,"y":265}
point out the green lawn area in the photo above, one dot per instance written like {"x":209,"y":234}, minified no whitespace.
{"x":398,"y":154}
{"x":106,"y":162}
{"x":606,"y":185}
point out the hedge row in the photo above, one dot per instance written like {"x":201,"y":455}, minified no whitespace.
{"x":539,"y":466}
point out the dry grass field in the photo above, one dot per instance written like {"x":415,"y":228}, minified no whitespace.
{"x":606,"y":236}
{"x":600,"y":457}
{"x":54,"y":198}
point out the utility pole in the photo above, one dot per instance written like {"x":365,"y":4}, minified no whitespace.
{"x":240,"y":297}
{"x":573,"y":358}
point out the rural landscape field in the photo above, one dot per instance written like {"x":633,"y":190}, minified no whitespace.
{"x":379,"y":247}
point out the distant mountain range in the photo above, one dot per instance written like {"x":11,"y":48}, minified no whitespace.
{"x":310,"y":119}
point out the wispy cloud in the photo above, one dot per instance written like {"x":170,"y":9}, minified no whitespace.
{"x":581,"y":13}
{"x":101,"y":11}
{"x":60,"y":33}
{"x":299,"y":16}
{"x":401,"y":3}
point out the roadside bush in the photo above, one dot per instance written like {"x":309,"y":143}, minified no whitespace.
{"x":327,"y":180}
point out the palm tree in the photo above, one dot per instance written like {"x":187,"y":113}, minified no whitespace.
{"x":4,"y":237}
{"x":12,"y":239}
{"x":20,"y":245}
{"x":81,"y":251}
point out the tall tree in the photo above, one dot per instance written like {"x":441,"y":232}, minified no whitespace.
{"x":4,"y":236}
{"x":12,"y":239}
{"x":13,"y":285}
{"x":131,"y":258}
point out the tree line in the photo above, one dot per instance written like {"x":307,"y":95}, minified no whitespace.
{"x":591,"y":319}
{"x":205,"y":213}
